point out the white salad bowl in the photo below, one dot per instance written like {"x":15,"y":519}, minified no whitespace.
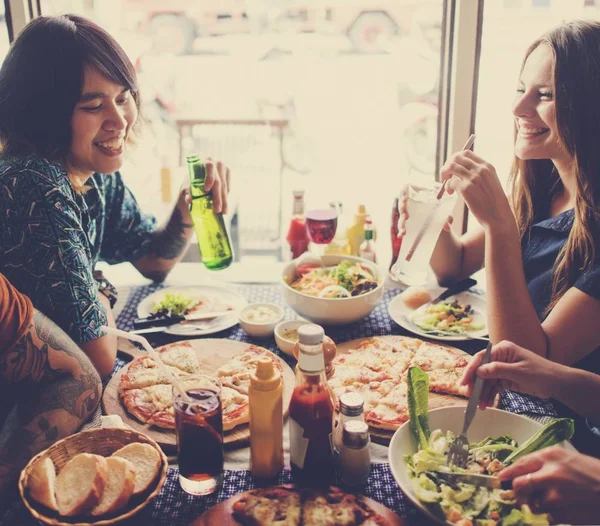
{"x":489,"y":423}
{"x":331,"y":311}
{"x":260,"y":328}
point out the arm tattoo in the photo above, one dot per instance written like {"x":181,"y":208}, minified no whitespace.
{"x":170,"y":242}
{"x":55,"y":386}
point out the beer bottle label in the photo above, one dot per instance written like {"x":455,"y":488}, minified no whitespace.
{"x":298,"y":444}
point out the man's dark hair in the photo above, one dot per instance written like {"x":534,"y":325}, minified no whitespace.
{"x":42,"y":78}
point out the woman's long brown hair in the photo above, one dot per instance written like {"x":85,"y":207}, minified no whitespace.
{"x":534,"y":183}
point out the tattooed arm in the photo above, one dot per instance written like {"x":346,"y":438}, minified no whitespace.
{"x":56,"y":389}
{"x":170,"y":241}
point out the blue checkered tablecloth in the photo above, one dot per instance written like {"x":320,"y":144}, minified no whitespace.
{"x":173,"y":506}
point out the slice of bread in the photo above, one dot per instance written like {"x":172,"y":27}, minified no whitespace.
{"x":80,"y":484}
{"x":119,"y":486}
{"x":41,"y":481}
{"x":146,"y":461}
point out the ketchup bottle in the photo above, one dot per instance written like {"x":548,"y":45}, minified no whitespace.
{"x":396,"y":241}
{"x":297,"y":236}
{"x":311,"y":413}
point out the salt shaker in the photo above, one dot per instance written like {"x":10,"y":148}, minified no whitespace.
{"x":354,"y":457}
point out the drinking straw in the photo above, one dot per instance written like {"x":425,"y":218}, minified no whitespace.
{"x":467,"y":146}
{"x":429,"y":218}
{"x":155,"y":356}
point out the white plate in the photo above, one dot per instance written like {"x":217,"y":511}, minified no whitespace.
{"x":491,"y":422}
{"x":401,"y":314}
{"x":214,"y":294}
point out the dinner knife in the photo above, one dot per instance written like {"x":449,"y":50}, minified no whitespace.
{"x":164,"y":321}
{"x":465,"y":284}
{"x":489,"y":481}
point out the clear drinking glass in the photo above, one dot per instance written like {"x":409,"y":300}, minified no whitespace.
{"x":199,"y":434}
{"x":426,"y":217}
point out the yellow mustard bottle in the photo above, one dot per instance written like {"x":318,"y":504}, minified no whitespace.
{"x":266,"y":420}
{"x":356,"y":233}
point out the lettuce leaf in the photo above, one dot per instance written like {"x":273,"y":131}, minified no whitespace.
{"x":418,"y":406}
{"x":554,"y":432}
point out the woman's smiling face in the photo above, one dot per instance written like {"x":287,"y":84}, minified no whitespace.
{"x":101,"y":123}
{"x":535,"y":111}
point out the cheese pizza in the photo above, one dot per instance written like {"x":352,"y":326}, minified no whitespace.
{"x":146,"y":392}
{"x":377,"y":368}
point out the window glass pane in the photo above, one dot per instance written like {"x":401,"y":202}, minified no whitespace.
{"x":508,"y":30}
{"x":336,"y":97}
{"x":4,"y":44}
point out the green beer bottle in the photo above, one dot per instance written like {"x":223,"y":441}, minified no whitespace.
{"x":213,"y":239}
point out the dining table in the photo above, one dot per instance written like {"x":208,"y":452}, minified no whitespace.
{"x":261,"y":282}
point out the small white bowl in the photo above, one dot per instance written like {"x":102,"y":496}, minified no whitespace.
{"x":260,"y":329}
{"x":285,"y":344}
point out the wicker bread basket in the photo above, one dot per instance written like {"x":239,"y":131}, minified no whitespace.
{"x":101,"y":442}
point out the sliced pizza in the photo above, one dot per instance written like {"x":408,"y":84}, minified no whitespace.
{"x":143,"y":372}
{"x":144,"y":403}
{"x":180,"y":355}
{"x":391,"y":411}
{"x":268,"y":507}
{"x":333,"y":508}
{"x":164,"y":418}
{"x":235,"y":407}
{"x":433,"y":356}
{"x":447,"y":381}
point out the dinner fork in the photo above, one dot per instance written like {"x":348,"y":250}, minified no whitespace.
{"x":458,"y":455}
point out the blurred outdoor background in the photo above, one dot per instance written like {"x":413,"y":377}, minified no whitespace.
{"x":338,"y":98}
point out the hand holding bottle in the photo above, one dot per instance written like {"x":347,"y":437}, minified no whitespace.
{"x":217,"y":182}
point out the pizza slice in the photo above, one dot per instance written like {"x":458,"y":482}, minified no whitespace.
{"x":237,"y":371}
{"x":433,"y":356}
{"x":164,"y":418}
{"x":235,"y":407}
{"x":180,"y":355}
{"x":268,"y":507}
{"x":143,"y":372}
{"x":240,"y":381}
{"x":391,"y":411}
{"x":447,"y":381}
{"x":144,"y":403}
{"x":333,"y":508}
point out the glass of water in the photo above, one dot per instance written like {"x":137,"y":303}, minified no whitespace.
{"x":426,"y":218}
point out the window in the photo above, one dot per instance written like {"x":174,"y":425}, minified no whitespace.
{"x":507,"y":33}
{"x":336,"y":98}
{"x":4,"y":42}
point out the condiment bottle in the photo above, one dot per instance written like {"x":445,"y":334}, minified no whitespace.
{"x":311,"y":413}
{"x":396,"y":241}
{"x":351,"y":409}
{"x":329,"y":353}
{"x":266,"y":420}
{"x":367,"y":247}
{"x":213,"y":239}
{"x":297,"y":236}
{"x":354,"y":457}
{"x":356,"y":232}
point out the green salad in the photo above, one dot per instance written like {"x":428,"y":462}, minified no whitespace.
{"x":174,"y":304}
{"x":448,"y":318}
{"x":468,"y":504}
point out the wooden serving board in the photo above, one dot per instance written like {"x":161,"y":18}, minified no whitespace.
{"x":221,"y":513}
{"x":212,"y":353}
{"x":383,"y":436}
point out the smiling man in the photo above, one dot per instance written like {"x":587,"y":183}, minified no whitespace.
{"x":69,"y":106}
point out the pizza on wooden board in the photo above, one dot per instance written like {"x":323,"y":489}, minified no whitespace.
{"x":281,"y":506}
{"x":377,"y":369}
{"x":146,"y":392}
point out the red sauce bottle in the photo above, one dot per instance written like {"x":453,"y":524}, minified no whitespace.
{"x":297,"y":237}
{"x":396,"y":241}
{"x":311,"y":413}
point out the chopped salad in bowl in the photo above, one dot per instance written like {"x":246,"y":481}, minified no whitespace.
{"x":425,"y":475}
{"x":344,"y":280}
